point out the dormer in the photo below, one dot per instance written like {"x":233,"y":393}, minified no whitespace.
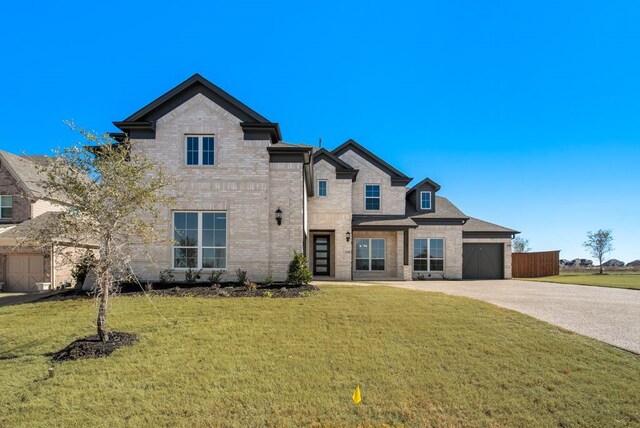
{"x":422,"y":196}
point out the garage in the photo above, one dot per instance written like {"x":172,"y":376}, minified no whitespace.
{"x":482,"y":261}
{"x":23,"y":271}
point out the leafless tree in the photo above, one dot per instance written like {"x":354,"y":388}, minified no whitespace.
{"x":599,"y":244}
{"x":520,"y":245}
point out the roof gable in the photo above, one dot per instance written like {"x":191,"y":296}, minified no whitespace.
{"x":397,"y":177}
{"x":428,"y":181}
{"x":343,"y":169}
{"x":143,"y":121}
{"x":25,"y":172}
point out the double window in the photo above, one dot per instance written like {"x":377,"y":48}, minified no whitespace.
{"x":372,"y":197}
{"x":322,"y":187}
{"x":200,"y":240}
{"x":428,"y":255}
{"x":425,"y":200}
{"x":370,"y":254}
{"x":6,"y":207}
{"x":199,"y":150}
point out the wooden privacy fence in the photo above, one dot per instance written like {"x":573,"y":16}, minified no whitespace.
{"x":534,"y":265}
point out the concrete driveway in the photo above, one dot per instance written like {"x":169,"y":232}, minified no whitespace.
{"x":611,"y":315}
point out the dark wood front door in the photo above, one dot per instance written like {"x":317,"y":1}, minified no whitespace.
{"x":321,"y":255}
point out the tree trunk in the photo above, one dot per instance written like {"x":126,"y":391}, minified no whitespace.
{"x":102,"y":311}
{"x":600,"y":265}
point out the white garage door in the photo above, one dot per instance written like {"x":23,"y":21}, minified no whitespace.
{"x":23,"y":271}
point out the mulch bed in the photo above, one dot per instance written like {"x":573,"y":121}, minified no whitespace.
{"x":181,"y":289}
{"x":93,"y":347}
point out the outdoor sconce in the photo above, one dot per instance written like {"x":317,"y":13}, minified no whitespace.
{"x":348,"y":236}
{"x":279,"y":216}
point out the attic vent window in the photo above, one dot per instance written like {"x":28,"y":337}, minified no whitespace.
{"x":199,"y":150}
{"x":425,"y":200}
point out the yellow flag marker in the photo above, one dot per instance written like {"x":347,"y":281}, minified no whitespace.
{"x":356,"y":395}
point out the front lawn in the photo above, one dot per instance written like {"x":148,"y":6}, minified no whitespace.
{"x":419,"y":358}
{"x":615,"y":280}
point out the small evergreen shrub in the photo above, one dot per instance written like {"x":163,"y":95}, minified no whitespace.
{"x":241,"y":276}
{"x":299,"y":273}
{"x":166,"y":276}
{"x":192,"y":275}
{"x":268,"y":281}
{"x":214,"y":277}
{"x":79,"y":272}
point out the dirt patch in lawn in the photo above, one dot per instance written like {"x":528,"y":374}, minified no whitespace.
{"x":199,"y":290}
{"x":93,"y":347}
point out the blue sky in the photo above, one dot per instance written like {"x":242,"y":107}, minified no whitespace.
{"x":527,"y":113}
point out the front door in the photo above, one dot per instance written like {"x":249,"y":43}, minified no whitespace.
{"x":321,"y":255}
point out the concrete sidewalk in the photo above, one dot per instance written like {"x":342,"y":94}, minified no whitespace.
{"x":611,"y":315}
{"x":26,"y":298}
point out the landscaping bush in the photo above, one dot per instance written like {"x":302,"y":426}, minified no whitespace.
{"x":192,"y":275}
{"x":299,"y":273}
{"x":241,"y":276}
{"x":79,"y":272}
{"x":214,"y":277}
{"x":166,"y":276}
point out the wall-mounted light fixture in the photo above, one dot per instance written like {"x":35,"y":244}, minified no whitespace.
{"x":279,"y":216}
{"x":348,"y":236}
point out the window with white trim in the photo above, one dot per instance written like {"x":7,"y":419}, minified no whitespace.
{"x":199,"y":150}
{"x":425,"y":200}
{"x":372,"y":197}
{"x":370,"y":254}
{"x":322,"y":187}
{"x":200,"y":240}
{"x":428,"y":255}
{"x":6,"y":207}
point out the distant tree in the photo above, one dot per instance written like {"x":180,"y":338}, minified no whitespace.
{"x":599,"y":244}
{"x":114,"y":195}
{"x":520,"y":245}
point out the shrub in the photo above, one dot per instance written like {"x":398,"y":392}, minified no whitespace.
{"x":420,"y":277}
{"x":166,"y":276}
{"x":241,"y":276}
{"x":214,"y":277}
{"x":192,"y":275}
{"x":80,"y":271}
{"x":298,"y":273}
{"x":268,"y":281}
{"x":148,"y":287}
{"x":268,"y":294}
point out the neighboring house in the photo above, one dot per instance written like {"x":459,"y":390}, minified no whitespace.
{"x":22,"y":203}
{"x":246,"y":200}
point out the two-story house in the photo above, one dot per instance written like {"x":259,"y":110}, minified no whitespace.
{"x":26,"y":268}
{"x":246,"y":200}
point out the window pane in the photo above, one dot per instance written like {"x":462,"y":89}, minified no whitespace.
{"x":322,"y":188}
{"x":220,"y":260}
{"x":419,"y":248}
{"x":437,"y":265}
{"x":192,"y":150}
{"x":372,"y":204}
{"x":186,"y":229}
{"x":6,"y":201}
{"x":372,"y":190}
{"x":377,"y":248}
{"x":207,"y":150}
{"x":436,"y":248}
{"x":221,"y":221}
{"x":425,"y":200}
{"x":377,"y":264}
{"x":362,"y":248}
{"x":362,"y":264}
{"x":185,"y":257}
{"x":6,"y":212}
{"x":421,"y":265}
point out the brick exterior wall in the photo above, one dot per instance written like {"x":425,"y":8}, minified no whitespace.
{"x":21,"y":204}
{"x":332,"y":213}
{"x":243,"y":183}
{"x":392,"y":197}
{"x":452,"y":236}
{"x":393,"y":255}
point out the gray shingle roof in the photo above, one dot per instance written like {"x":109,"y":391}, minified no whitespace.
{"x":24,"y":170}
{"x":477,"y":225}
{"x":444,"y":209}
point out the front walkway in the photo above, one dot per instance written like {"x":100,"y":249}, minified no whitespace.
{"x":610,"y":315}
{"x":26,"y":298}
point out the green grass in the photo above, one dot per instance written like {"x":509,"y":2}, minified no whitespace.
{"x":615,"y":280}
{"x":419,"y":358}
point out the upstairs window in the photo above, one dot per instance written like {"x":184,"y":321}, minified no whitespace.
{"x":6,"y":207}
{"x":322,"y":187}
{"x":372,"y":197}
{"x":425,"y":200}
{"x":199,"y":150}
